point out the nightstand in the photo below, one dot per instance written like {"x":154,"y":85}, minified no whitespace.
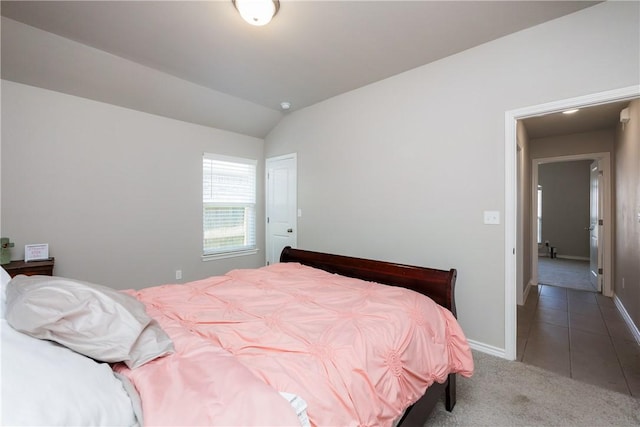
{"x":31,"y":268}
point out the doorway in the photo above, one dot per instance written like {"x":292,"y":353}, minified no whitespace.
{"x":561,"y":321}
{"x":569,"y":206}
{"x":513,"y":215}
{"x":562,"y":328}
{"x":560,"y":242}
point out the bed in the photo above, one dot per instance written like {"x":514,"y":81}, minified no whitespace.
{"x":436,"y":284}
{"x":201,"y":356}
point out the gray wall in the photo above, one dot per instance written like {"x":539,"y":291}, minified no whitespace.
{"x":627,"y":247}
{"x":116,"y":193}
{"x":565,"y":206}
{"x":403,"y":169}
{"x":400,"y":170}
{"x":601,"y":141}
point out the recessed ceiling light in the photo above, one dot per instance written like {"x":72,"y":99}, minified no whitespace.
{"x":285,"y":105}
{"x":575,"y":110}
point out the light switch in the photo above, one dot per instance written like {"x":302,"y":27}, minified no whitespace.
{"x":492,"y":217}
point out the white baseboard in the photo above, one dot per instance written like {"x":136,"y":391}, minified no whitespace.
{"x":579,"y":258}
{"x":628,"y":320}
{"x":486,"y":348}
{"x":527,"y":289}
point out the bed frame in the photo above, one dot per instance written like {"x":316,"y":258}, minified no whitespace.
{"x":436,"y":284}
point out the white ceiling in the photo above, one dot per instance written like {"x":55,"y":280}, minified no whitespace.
{"x":311,"y":51}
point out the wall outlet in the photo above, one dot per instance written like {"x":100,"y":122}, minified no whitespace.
{"x":492,"y":217}
{"x":178,"y":274}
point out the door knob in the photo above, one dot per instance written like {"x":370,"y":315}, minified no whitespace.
{"x":289,"y":230}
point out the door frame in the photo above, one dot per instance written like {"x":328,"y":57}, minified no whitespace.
{"x":604,"y":163}
{"x":511,"y":192}
{"x":599,"y":213}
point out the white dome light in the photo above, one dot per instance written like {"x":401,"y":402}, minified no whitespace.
{"x":257,"y":12}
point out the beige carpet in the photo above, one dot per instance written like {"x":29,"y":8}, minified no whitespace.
{"x":566,"y":273}
{"x":504,"y":393}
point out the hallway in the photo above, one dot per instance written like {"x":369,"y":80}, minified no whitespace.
{"x":581,"y":335}
{"x":565,"y":273}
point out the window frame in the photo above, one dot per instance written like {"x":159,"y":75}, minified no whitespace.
{"x":247,"y":248}
{"x":539,"y":214}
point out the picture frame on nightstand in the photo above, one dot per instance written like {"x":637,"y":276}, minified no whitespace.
{"x":37,"y":252}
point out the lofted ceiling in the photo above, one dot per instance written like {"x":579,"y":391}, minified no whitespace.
{"x":311,"y":51}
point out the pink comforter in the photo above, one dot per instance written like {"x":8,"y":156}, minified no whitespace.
{"x":358,"y":353}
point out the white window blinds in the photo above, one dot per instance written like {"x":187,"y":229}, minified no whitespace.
{"x":228,"y":204}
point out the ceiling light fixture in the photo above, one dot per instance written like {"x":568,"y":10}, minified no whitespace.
{"x":257,"y":12}
{"x":575,"y":110}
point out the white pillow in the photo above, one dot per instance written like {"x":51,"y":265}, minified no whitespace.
{"x":93,"y":320}
{"x":4,"y":279}
{"x":46,"y":384}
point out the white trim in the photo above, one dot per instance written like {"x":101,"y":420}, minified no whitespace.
{"x":486,"y":348}
{"x":627,"y":318}
{"x":510,"y":232}
{"x":230,"y":159}
{"x":293,"y":156}
{"x":510,"y":191}
{"x":510,"y":218}
{"x":223,"y":255}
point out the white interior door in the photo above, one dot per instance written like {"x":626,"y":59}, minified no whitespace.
{"x":281,"y":205}
{"x":594,"y":232}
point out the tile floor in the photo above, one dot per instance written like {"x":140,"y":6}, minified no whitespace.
{"x":580,"y":335}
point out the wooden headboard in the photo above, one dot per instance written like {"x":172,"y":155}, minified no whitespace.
{"x":436,"y":284}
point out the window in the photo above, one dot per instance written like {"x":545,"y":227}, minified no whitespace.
{"x":228,"y":205}
{"x":539,"y":213}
